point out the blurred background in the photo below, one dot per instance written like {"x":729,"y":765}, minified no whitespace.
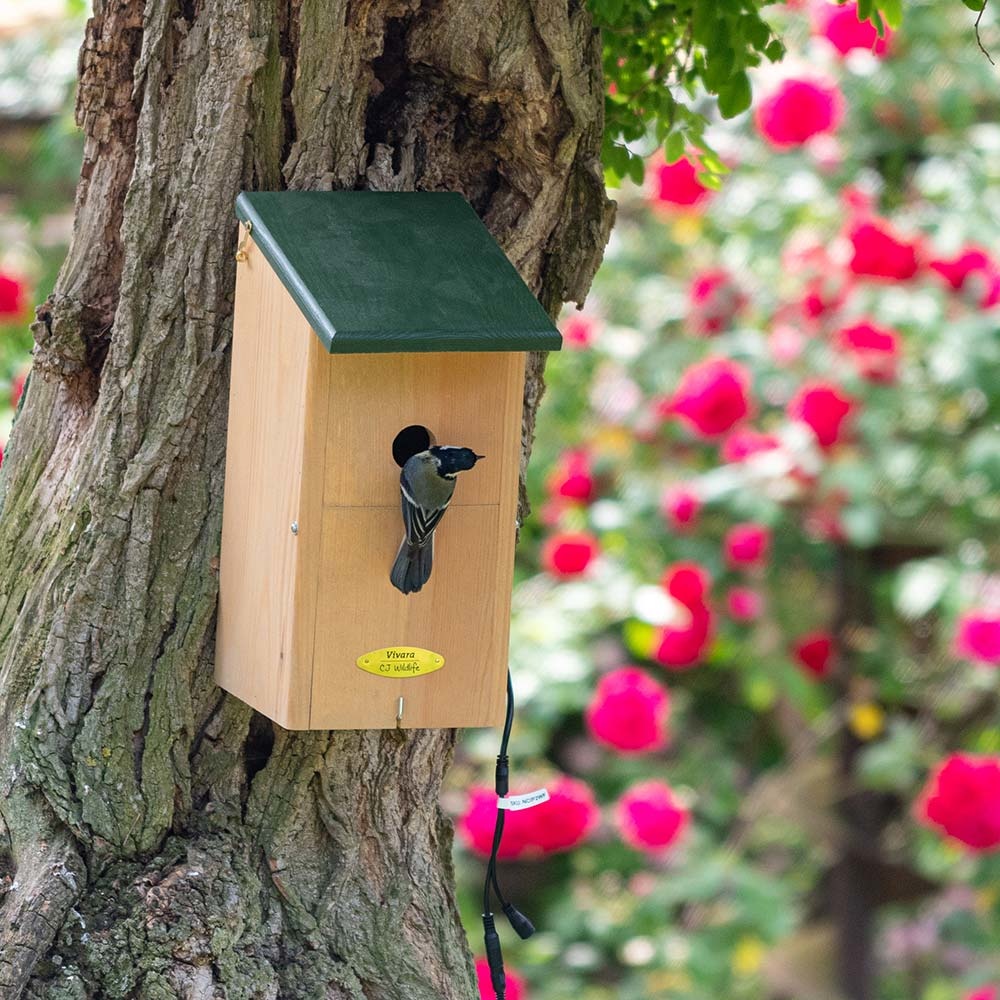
{"x":757,"y":615}
{"x":40,"y":153}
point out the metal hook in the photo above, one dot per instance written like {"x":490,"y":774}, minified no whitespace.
{"x":241,"y":250}
{"x":399,"y":713}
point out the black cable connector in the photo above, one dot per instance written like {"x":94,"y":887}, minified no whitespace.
{"x":494,"y":957}
{"x":523,"y":927}
{"x":502,"y":776}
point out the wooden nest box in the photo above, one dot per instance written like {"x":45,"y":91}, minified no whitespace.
{"x":368,"y":325}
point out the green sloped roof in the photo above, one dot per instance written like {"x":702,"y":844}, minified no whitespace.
{"x":384,"y":272}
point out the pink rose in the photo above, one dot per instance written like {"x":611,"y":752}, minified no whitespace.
{"x":798,"y":110}
{"x":747,"y":545}
{"x":712,"y":396}
{"x":515,"y":984}
{"x":822,"y":296}
{"x":687,"y":583}
{"x":840,"y":25}
{"x":874,"y":349}
{"x":650,"y":817}
{"x":978,"y":637}
{"x":681,"y":506}
{"x":681,"y":647}
{"x":572,"y":477}
{"x":814,"y":653}
{"x":823,"y":408}
{"x":744,"y":604}
{"x":714,"y":301}
{"x":879,"y":253}
{"x":984,"y":993}
{"x":629,"y":711}
{"x":569,"y":553}
{"x":973,"y":273}
{"x":676,"y":184}
{"x":962,"y":800}
{"x":13,"y":296}
{"x":744,"y":442}
{"x":566,"y":820}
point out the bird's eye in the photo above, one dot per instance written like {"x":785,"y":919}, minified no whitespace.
{"x":409,"y":442}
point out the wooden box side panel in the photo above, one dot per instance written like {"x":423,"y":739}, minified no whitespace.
{"x":463,"y":613}
{"x":267,"y":417}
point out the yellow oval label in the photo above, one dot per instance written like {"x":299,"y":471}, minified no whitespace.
{"x":400,"y":661}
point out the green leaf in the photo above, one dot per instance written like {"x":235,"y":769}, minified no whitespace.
{"x":607,"y":12}
{"x":735,"y":96}
{"x":636,"y":169}
{"x":703,"y":23}
{"x":775,"y":50}
{"x":976,"y":5}
{"x":675,"y":146}
{"x":640,"y":638}
{"x":758,"y":33}
{"x":616,"y":157}
{"x":892,"y":11}
{"x":711,"y":162}
{"x":719,"y":68}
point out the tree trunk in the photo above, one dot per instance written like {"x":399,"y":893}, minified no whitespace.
{"x":861,"y":879}
{"x":161,"y":840}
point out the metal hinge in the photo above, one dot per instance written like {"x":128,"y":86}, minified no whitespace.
{"x":241,"y":250}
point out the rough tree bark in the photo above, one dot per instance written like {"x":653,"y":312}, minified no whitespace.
{"x":159,"y":840}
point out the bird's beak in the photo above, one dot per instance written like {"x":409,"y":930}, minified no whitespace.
{"x":478,"y":457}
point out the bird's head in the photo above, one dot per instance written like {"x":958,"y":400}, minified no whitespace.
{"x":451,"y":461}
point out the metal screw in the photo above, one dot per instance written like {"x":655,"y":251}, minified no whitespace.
{"x":295,"y":527}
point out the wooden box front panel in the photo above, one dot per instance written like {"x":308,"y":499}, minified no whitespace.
{"x":463,"y":613}
{"x":468,"y":400}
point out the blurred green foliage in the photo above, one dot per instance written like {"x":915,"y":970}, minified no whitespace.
{"x":673,"y":66}
{"x":40,"y":152}
{"x":741,"y":908}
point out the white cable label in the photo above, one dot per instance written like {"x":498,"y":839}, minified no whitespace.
{"x":526,"y":801}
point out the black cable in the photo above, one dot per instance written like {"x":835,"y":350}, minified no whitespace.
{"x":494,"y":956}
{"x":501,"y":785}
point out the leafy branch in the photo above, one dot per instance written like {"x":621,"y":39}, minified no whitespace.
{"x":661,"y":59}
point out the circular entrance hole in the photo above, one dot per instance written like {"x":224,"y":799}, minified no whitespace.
{"x":409,"y":441}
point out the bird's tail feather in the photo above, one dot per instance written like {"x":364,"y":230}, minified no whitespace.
{"x":412,"y":568}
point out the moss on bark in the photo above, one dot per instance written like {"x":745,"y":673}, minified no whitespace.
{"x":166,"y":843}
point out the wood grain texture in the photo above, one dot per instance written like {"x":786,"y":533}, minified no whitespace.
{"x":388,"y":271}
{"x":257,"y":657}
{"x":462,"y":613}
{"x":310,"y":442}
{"x":469,"y":400}
{"x":273,"y":858}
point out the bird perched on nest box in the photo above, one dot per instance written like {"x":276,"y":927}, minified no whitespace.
{"x":426,"y":485}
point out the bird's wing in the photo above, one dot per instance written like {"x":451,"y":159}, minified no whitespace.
{"x":418,"y":521}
